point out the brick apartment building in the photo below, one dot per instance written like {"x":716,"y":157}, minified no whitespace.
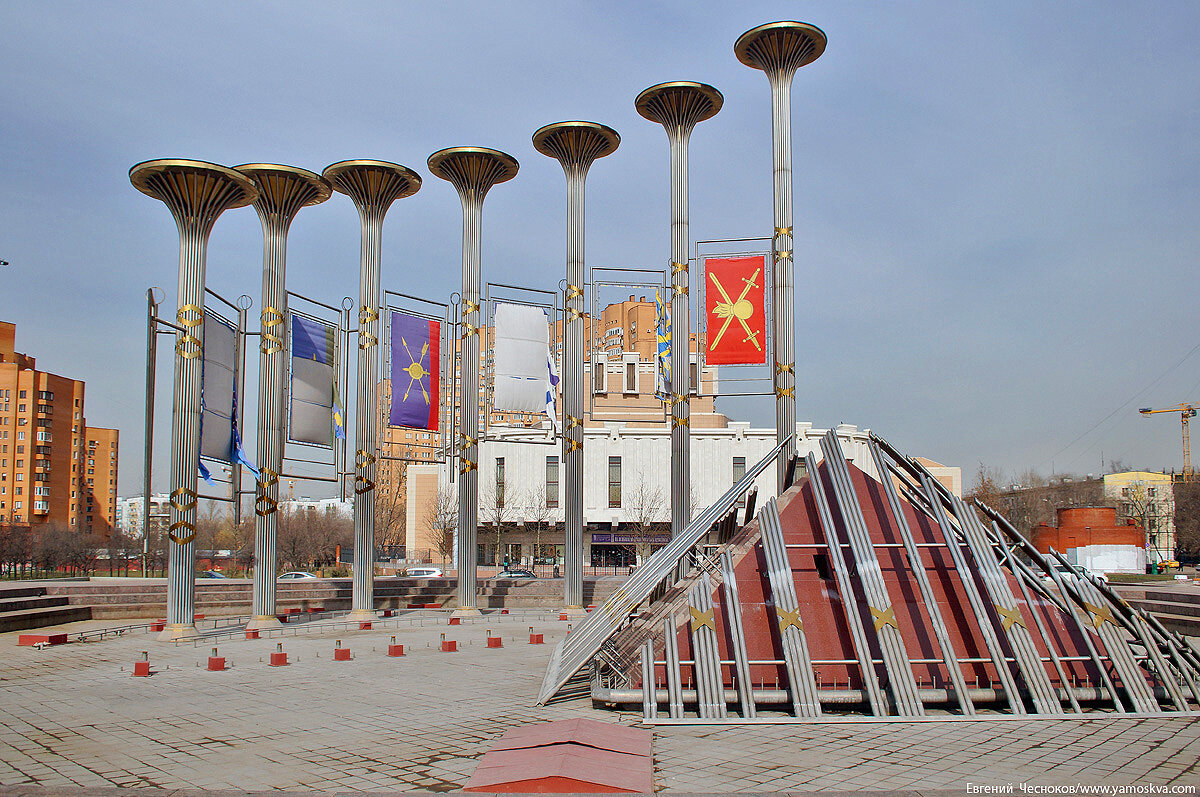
{"x":54,"y":469}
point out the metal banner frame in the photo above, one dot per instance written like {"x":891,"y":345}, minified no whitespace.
{"x":751,"y":373}
{"x":239,"y":377}
{"x":341,"y":375}
{"x":447,"y":382}
{"x":494,"y":293}
{"x":595,"y":352}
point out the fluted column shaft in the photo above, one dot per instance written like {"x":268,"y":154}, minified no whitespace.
{"x":681,"y":333}
{"x":271,"y":391}
{"x":366,"y":422}
{"x":784,"y":327}
{"x":185,"y":424}
{"x":283,"y":191}
{"x":373,"y":186}
{"x":469,"y":401}
{"x":779,"y":49}
{"x":574,"y":371}
{"x":196,"y":193}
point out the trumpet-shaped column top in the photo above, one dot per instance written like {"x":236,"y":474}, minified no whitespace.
{"x":781,"y":47}
{"x":679,"y":104}
{"x":283,"y":190}
{"x":372,"y":184}
{"x":473,"y":170}
{"x":576,"y":143}
{"x":195,"y":191}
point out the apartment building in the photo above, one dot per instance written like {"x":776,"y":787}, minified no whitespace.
{"x":54,"y":469}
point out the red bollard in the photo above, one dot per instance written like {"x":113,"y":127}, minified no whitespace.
{"x":142,"y":668}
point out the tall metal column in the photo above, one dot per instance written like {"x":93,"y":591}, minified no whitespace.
{"x":678,"y":107}
{"x":779,"y":49}
{"x":472,"y":171}
{"x":282,"y":191}
{"x":575,"y":145}
{"x":196,"y":194}
{"x":373,"y":186}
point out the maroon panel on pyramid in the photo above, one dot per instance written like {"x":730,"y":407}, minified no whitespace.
{"x":822,"y":604}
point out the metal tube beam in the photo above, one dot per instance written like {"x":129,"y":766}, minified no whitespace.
{"x":576,"y":145}
{"x":472,"y":171}
{"x":373,"y":186}
{"x":779,"y":49}
{"x":196,"y":193}
{"x":282,"y":192}
{"x":148,"y":442}
{"x":678,"y":107}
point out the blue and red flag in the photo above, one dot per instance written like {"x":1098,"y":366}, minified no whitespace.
{"x":416,"y":371}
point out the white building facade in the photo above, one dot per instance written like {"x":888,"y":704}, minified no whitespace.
{"x":626,"y":487}
{"x":131,"y":514}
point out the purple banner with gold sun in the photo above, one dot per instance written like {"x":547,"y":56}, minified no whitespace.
{"x":415,"y":371}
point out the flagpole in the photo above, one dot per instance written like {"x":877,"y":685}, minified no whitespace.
{"x":779,"y":49}
{"x":472,"y":171}
{"x":575,"y":145}
{"x":196,"y":193}
{"x":282,"y":192}
{"x":678,"y":107}
{"x":373,"y":186}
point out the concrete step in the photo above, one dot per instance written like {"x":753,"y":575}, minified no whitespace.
{"x":42,"y":617}
{"x":1186,"y":624}
{"x":1183,"y":595}
{"x":32,"y":602}
{"x":21,"y":591}
{"x":1157,"y":607}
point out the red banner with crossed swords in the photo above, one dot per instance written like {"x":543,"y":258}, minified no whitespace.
{"x":734,"y":296}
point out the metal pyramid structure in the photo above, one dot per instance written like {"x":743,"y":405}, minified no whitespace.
{"x":869,"y":592}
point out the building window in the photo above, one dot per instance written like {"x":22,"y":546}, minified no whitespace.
{"x":694,"y":375}
{"x":739,"y":469}
{"x":551,"y":482}
{"x":499,"y":481}
{"x":631,"y":376}
{"x":614,"y":481}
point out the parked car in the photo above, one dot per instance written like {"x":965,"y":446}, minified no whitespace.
{"x":515,"y":574}
{"x":211,"y":574}
{"x":423,"y":572}
{"x":298,"y":575}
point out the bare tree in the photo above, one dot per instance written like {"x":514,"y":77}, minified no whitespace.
{"x":1141,"y":503}
{"x":391,"y":505}
{"x":1187,"y":520}
{"x":441,"y":514}
{"x":494,"y":509}
{"x":648,"y":511}
{"x":538,"y":514}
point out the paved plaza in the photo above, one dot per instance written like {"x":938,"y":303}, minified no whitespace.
{"x":72,"y":716}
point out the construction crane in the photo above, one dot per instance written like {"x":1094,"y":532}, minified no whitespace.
{"x":1185,"y":411}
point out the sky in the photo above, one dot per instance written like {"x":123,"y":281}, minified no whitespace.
{"x":995,"y":205}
